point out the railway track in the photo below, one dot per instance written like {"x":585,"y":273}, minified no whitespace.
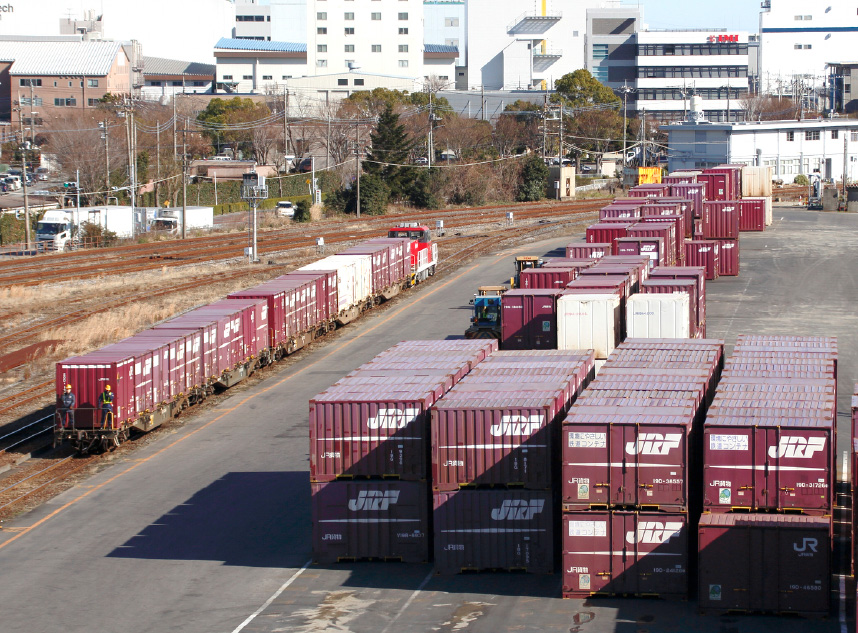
{"x":135,"y":258}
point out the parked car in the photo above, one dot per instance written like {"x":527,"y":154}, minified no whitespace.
{"x":285,"y":209}
{"x":421,"y":160}
{"x":304,"y":166}
{"x":42,"y":173}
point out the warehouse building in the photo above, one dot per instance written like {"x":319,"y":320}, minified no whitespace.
{"x":828,"y":147}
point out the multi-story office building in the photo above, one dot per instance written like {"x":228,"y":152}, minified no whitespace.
{"x":252,"y":21}
{"x":611,"y":50}
{"x":798,"y":38}
{"x":672,"y":66}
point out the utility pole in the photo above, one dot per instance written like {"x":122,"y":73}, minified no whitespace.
{"x":285,"y":121}
{"x":482,"y":102}
{"x":845,"y":164}
{"x":643,"y":138}
{"x":544,"y":126}
{"x":157,"y":163}
{"x":185,"y":178}
{"x":175,"y":127}
{"x":106,"y":160}
{"x":625,"y":90}
{"x":328,"y":141}
{"x":357,"y":166}
{"x":27,"y":235}
{"x":429,"y":143}
{"x":560,"y":140}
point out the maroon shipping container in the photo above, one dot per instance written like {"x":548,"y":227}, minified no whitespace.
{"x":218,"y":348}
{"x":606,"y":233}
{"x":678,"y":180}
{"x":371,"y":431}
{"x":616,"y":271}
{"x":387,"y":520}
{"x":652,"y":247}
{"x":608,"y":283}
{"x":679,"y":234}
{"x":254,"y":322}
{"x":208,"y":347}
{"x":696,"y":274}
{"x":326,"y":286}
{"x":498,"y":438}
{"x":752,"y":214}
{"x":763,"y":463}
{"x":547,"y":278}
{"x":728,"y":258}
{"x":582,"y":250}
{"x":529,"y":319}
{"x":685,"y":208}
{"x":651,"y":190}
{"x":704,"y":253}
{"x":641,"y":262}
{"x":88,"y":375}
{"x":627,"y":456}
{"x":564,"y":262}
{"x":697,"y":314}
{"x":620,"y":211}
{"x":494,"y":529}
{"x":386,"y":260}
{"x":168,"y":375}
{"x":622,"y":553}
{"x":734,"y":177}
{"x":186,"y":358}
{"x":400,"y":259}
{"x":777,"y":563}
{"x":716,"y":186}
{"x":665,"y":230}
{"x":694,"y":192}
{"x":721,"y":219}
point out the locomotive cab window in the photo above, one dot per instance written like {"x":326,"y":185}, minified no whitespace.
{"x":412,"y":234}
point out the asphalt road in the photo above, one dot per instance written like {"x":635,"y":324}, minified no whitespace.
{"x":207,"y":529}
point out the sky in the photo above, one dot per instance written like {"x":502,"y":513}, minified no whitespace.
{"x":739,"y":15}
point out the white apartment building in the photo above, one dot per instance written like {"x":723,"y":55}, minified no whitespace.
{"x":797,"y":39}
{"x":252,"y":21}
{"x":672,"y":66}
{"x":789,"y":147}
{"x":444,"y":23}
{"x":515,"y":44}
{"x":251,"y":66}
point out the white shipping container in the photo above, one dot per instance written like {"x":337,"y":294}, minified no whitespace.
{"x":354,"y":277}
{"x":757,"y":182}
{"x":590,"y":321}
{"x":658,"y":315}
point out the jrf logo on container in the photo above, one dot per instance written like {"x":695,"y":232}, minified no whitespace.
{"x":654,"y":444}
{"x":517,"y":425}
{"x":807,"y":547}
{"x":654,"y":532}
{"x":797,"y":447}
{"x":518,"y":510}
{"x":392,"y":418}
{"x":373,"y":500}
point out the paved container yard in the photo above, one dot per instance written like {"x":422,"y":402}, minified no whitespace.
{"x":208,"y":528}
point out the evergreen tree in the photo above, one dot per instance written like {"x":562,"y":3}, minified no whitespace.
{"x":534,"y":178}
{"x":390,"y":144}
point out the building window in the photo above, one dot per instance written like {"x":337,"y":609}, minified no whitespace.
{"x":403,"y":48}
{"x":790,"y":136}
{"x":322,"y":30}
{"x":70,"y":102}
{"x":287,"y":76}
{"x":348,"y":16}
{"x":198,"y":83}
{"x":225,"y":78}
{"x":835,"y":134}
{"x":403,"y":16}
{"x":92,"y":83}
{"x":444,"y":77}
{"x":670,"y":49}
{"x":847,"y":88}
{"x":350,"y":30}
{"x":322,"y":15}
{"x":322,"y":63}
{"x":853,"y":135}
{"x":600,"y":51}
{"x":322,"y":48}
{"x":176,"y":83}
{"x":403,"y":63}
{"x":403,"y":30}
{"x":154,"y":83}
{"x":376,"y":16}
{"x":350,"y":48}
{"x":454,"y":41}
{"x":70,"y":84}
{"x":248,"y":77}
{"x":451,"y":21}
{"x":267,"y":78}
{"x":37,"y":101}
{"x":797,"y":47}
{"x":807,"y":47}
{"x":358,"y":82}
{"x":93,"y":103}
{"x":808,"y":17}
{"x":342,"y":82}
{"x":376,"y":48}
{"x":811,"y":135}
{"x":600,"y":74}
{"x":574,"y":33}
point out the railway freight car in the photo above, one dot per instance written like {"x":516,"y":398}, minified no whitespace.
{"x":157,"y":373}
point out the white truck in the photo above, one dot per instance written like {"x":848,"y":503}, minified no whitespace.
{"x":170,"y":219}
{"x":58,"y":229}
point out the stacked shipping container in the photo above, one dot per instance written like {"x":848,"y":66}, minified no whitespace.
{"x":631,"y":469}
{"x":494,"y":457}
{"x":369,"y":451}
{"x":769,"y":449}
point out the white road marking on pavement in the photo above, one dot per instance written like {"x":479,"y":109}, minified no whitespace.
{"x":274,"y":597}
{"x":409,"y":601}
{"x":842,"y":615}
